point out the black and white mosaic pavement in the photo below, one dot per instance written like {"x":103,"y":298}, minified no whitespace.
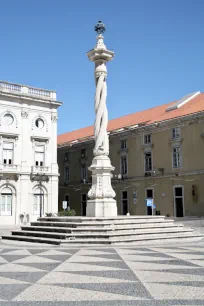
{"x":96,"y":276}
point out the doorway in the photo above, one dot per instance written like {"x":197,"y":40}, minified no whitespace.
{"x":83,"y":204}
{"x":67,"y":199}
{"x":124,"y":202}
{"x":38,"y":206}
{"x":178,"y":201}
{"x":6,"y":202}
{"x":149,"y":196}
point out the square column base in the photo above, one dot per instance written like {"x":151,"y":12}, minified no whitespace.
{"x":101,"y":208}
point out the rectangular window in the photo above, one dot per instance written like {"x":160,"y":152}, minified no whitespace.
{"x":83,"y":153}
{"x":178,"y":192}
{"x":83,"y":204}
{"x":124,"y":203}
{"x":148,"y":161}
{"x":66,"y":156}
{"x":67,"y":199}
{"x":176,"y":157}
{"x":149,"y":193}
{"x":66,"y":174}
{"x":8,"y":153}
{"x":3,"y":204}
{"x":9,"y":200}
{"x":39,"y":155}
{"x":83,"y":172}
{"x":175,"y":132}
{"x":6,"y":205}
{"x":147,"y":138}
{"x":38,"y":201}
{"x":123,"y":144}
{"x":123,"y":160}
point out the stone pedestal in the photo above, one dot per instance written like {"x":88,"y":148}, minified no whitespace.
{"x":101,"y":194}
{"x":101,"y":208}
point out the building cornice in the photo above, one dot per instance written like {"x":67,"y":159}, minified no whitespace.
{"x":30,"y":98}
{"x":40,"y":138}
{"x":9,"y":135}
{"x":176,"y":175}
{"x":170,"y":176}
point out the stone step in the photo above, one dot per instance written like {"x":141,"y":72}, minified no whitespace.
{"x":33,"y":239}
{"x":98,"y":224}
{"x":135,"y":240}
{"x":54,"y":235}
{"x":128,"y":233}
{"x":118,"y":219}
{"x":99,"y":229}
{"x":83,"y":230}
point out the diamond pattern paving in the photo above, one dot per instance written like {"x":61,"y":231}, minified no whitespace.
{"x":31,"y":277}
{"x":127,"y":289}
{"x":11,"y":258}
{"x":98,"y":276}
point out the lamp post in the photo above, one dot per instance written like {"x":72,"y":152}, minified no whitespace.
{"x":119,"y":176}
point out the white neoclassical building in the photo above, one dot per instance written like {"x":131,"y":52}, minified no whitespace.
{"x":28,"y":153}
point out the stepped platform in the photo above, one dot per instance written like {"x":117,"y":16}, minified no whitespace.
{"x":117,"y":230}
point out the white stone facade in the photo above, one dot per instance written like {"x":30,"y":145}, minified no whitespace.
{"x":28,"y":153}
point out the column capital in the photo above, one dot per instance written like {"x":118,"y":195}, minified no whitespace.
{"x":54,"y":118}
{"x":24,"y":114}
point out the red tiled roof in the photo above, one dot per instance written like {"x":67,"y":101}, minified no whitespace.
{"x":149,"y":116}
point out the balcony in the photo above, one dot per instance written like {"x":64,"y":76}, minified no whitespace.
{"x":123,"y":150}
{"x":38,"y":169}
{"x":9,"y":172}
{"x":147,"y":145}
{"x":175,"y":139}
{"x":23,"y":90}
{"x":4,"y":168}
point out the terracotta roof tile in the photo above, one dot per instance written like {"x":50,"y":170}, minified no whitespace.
{"x":149,"y":116}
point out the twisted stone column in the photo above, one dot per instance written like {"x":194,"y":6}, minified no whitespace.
{"x":101,"y":121}
{"x":101,"y":194}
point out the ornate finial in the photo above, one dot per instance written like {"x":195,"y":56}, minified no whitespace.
{"x":100,"y":27}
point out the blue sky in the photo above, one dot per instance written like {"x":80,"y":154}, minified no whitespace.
{"x":158,"y":45}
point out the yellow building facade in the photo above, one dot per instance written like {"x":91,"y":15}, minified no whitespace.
{"x":159,"y":163}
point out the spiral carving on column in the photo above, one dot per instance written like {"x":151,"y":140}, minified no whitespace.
{"x":101,"y":121}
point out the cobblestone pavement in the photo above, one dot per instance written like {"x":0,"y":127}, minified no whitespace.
{"x":128,"y":275}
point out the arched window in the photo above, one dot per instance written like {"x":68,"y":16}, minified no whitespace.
{"x":38,"y":204}
{"x":6,"y":202}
